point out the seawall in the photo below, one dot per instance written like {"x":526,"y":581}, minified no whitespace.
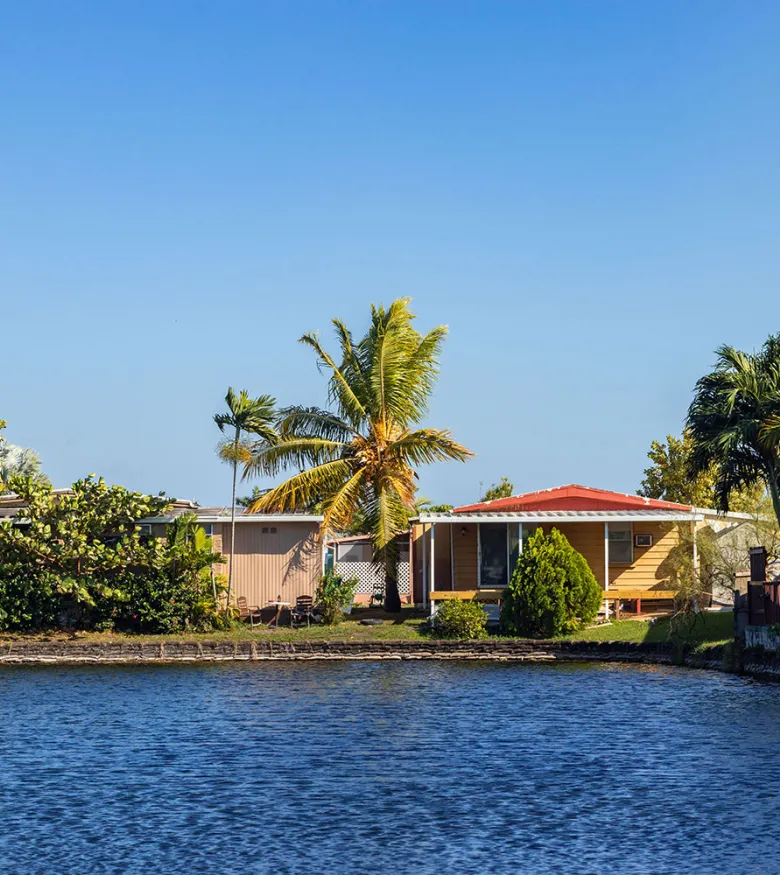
{"x":181,"y":650}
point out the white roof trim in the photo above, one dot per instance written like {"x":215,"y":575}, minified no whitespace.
{"x":563,"y":516}
{"x":246,"y":518}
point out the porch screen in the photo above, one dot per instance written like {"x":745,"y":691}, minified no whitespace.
{"x":493,"y":555}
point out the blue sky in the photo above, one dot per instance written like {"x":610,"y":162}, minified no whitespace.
{"x":587,"y":193}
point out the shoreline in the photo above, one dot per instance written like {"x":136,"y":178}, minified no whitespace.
{"x":184,"y":651}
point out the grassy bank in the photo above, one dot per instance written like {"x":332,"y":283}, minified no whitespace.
{"x":708,"y":629}
{"x":705,"y":629}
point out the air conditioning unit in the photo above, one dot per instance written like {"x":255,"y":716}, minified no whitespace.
{"x":643,"y":540}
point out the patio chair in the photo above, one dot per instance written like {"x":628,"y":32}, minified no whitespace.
{"x":249,"y":613}
{"x":304,"y":606}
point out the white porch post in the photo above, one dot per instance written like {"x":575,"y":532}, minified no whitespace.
{"x":432,"y":577}
{"x":424,"y":567}
{"x":606,"y":569}
{"x":519,"y":538}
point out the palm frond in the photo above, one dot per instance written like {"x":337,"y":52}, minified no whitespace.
{"x":291,"y":453}
{"x":298,"y":421}
{"x":426,"y":445}
{"x":302,"y":490}
{"x":350,"y":406}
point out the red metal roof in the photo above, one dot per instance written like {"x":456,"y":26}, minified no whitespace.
{"x":571,"y":497}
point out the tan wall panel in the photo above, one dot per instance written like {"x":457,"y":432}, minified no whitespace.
{"x":272,"y":566}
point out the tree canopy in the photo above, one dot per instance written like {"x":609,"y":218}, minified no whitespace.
{"x":359,"y":455}
{"x":734,"y":423}
{"x":503,"y":489}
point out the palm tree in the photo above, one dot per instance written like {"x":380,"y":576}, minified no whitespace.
{"x":250,"y":416}
{"x":734,"y":422}
{"x":358,"y":457}
{"x":17,"y":462}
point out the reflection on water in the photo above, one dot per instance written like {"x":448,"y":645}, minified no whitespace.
{"x":387,"y":767}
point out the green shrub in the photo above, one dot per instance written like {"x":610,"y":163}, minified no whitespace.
{"x":80,"y":561}
{"x":334,"y":594}
{"x":460,"y":619}
{"x":552,"y":591}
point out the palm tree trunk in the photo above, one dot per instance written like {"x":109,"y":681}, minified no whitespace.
{"x":233,"y":519}
{"x":392,"y":596}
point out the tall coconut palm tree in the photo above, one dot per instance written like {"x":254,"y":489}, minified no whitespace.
{"x":734,"y":422}
{"x":358,"y":457}
{"x":244,"y":416}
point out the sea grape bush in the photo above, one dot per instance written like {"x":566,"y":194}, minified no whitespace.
{"x":552,"y":591}
{"x":79,"y":560}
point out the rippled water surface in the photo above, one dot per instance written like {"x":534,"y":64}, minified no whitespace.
{"x":387,"y":767}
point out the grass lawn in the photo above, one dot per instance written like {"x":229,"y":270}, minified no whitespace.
{"x":403,"y":627}
{"x":707,"y":629}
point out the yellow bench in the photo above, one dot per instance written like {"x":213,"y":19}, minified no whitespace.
{"x":482,"y":595}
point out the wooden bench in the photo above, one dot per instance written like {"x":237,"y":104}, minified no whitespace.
{"x":636,"y":595}
{"x":481,"y":595}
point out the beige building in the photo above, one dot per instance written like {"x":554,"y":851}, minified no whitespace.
{"x":277,"y":556}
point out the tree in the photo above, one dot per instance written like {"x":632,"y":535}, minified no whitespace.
{"x":249,"y":500}
{"x":16,"y":461}
{"x":734,"y":423}
{"x":245,"y":416}
{"x":81,"y":555}
{"x":669,"y":478}
{"x":503,"y":489}
{"x":552,"y":591}
{"x":359,"y":457}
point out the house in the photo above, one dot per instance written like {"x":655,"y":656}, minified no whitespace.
{"x":277,"y":557}
{"x":471,"y":551}
{"x":352,"y":557}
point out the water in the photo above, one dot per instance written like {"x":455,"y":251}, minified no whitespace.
{"x":385,"y":768}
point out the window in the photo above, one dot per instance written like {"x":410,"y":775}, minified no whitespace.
{"x":354,"y":553}
{"x":621,"y":546}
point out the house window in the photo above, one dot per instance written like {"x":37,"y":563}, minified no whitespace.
{"x":354,"y":552}
{"x":621,"y":546}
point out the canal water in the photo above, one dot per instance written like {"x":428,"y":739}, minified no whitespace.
{"x":344,"y":767}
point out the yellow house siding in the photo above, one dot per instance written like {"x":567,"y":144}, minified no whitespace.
{"x":646,"y":571}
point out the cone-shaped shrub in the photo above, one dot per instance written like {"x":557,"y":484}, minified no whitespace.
{"x":552,"y":591}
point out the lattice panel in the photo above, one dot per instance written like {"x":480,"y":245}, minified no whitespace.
{"x":370,"y":578}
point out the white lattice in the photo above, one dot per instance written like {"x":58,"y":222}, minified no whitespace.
{"x":370,"y":578}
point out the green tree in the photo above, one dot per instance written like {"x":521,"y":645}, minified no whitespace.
{"x":81,"y":555}
{"x":503,"y":489}
{"x":245,"y":416}
{"x":669,"y":478}
{"x":249,"y":500}
{"x":552,"y":591}
{"x":359,"y":457}
{"x":16,"y":461}
{"x":734,"y":423}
